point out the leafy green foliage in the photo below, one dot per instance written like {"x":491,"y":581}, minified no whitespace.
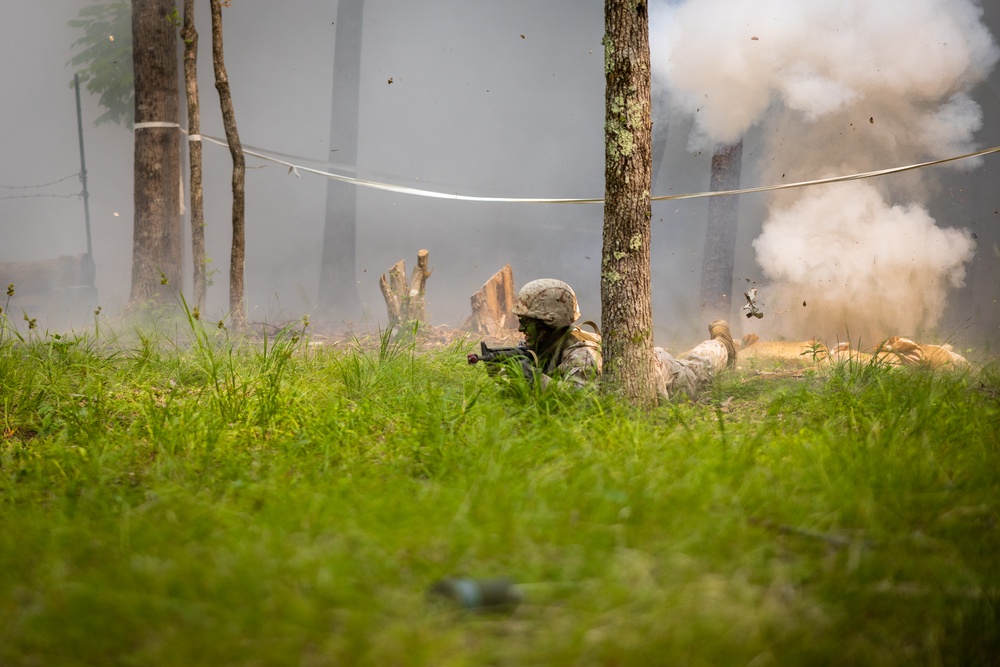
{"x":179,"y":495}
{"x":105,"y":61}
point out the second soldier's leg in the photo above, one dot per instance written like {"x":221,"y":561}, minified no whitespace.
{"x":674,"y":376}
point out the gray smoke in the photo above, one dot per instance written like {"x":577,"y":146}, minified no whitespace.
{"x":835,"y":87}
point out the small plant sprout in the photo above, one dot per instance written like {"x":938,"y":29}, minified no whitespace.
{"x":815,"y":350}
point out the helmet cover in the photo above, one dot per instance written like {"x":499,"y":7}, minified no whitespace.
{"x":548,"y":300}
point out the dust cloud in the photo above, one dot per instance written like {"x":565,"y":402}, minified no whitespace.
{"x":835,"y":87}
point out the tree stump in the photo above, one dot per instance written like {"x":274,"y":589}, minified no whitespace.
{"x":491,"y":305}
{"x":405,"y":303}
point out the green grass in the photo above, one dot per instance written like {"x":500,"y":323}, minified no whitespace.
{"x":179,"y":496}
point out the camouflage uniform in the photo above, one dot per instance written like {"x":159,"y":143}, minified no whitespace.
{"x":577,"y":359}
{"x":575,"y":356}
{"x":692,"y":371}
{"x":580,"y":363}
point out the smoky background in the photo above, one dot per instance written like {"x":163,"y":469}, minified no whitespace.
{"x":493,"y":99}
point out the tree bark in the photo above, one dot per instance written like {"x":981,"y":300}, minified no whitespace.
{"x":394,"y":292}
{"x":237,"y":258}
{"x":156,"y":238}
{"x":492,"y":304}
{"x":720,"y":237}
{"x":418,"y":286}
{"x":406,"y":303}
{"x":627,"y":314}
{"x":190,"y":36}
{"x":338,"y":289}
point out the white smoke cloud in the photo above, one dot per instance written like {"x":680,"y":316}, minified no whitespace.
{"x":846,"y":251}
{"x":837,"y":86}
{"x":949,"y":129}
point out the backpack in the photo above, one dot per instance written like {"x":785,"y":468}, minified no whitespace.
{"x":585,"y":337}
{"x":576,"y":338}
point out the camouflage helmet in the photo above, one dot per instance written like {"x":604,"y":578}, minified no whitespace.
{"x":547,"y":300}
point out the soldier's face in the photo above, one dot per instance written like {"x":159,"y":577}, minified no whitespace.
{"x":531,"y":328}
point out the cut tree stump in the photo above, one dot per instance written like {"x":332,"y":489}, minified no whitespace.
{"x":403,"y":302}
{"x":491,"y":305}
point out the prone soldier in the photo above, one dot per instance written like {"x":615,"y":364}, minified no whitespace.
{"x":555,"y":348}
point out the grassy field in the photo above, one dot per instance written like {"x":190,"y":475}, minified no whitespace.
{"x":174,"y":495}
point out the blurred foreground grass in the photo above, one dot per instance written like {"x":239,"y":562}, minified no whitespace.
{"x":182,"y":497}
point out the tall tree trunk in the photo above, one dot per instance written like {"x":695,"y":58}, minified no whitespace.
{"x":156,"y":239}
{"x":627,"y":313}
{"x":720,"y":238}
{"x":237,"y":258}
{"x":338,"y":291}
{"x":190,"y":36}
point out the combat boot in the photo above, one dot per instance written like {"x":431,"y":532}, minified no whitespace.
{"x":719,"y":330}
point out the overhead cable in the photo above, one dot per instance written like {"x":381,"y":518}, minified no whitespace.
{"x":40,"y":185}
{"x":294,"y":168}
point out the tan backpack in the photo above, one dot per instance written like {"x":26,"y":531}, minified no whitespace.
{"x":586,"y":336}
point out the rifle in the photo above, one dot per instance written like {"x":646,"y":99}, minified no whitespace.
{"x":499,"y":354}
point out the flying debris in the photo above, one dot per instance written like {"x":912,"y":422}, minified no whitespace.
{"x":752,"y":309}
{"x":811,"y":91}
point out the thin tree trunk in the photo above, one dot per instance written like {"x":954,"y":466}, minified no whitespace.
{"x":338,"y":290}
{"x":720,"y":237}
{"x":627,"y":314}
{"x":237,"y":258}
{"x":156,"y":239}
{"x":190,"y":36}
